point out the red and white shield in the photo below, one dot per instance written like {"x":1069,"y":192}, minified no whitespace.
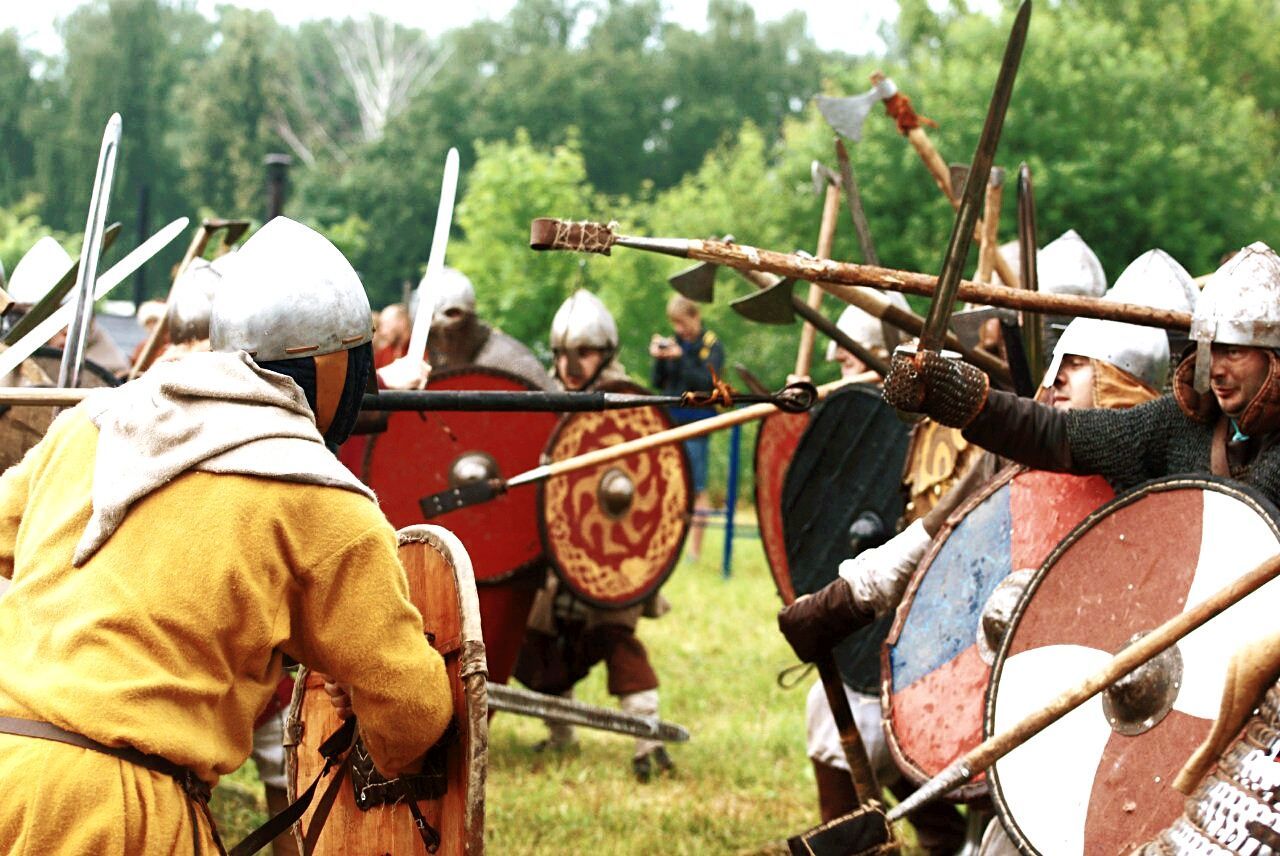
{"x":1098,"y":780}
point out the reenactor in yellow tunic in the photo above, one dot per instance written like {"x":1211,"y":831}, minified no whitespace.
{"x":170,"y":541}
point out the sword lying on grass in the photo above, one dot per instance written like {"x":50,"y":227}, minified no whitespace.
{"x":569,"y":712}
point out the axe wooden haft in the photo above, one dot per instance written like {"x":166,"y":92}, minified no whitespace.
{"x":844,"y":280}
{"x":90,"y":254}
{"x":827,"y":184}
{"x":232,"y":231}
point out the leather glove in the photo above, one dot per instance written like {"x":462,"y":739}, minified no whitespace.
{"x":817,"y":622}
{"x":948,"y":391}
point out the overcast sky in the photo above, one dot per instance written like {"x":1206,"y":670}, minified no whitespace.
{"x":849,"y":25}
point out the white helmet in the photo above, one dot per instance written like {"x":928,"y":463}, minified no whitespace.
{"x":583,"y":321}
{"x":1240,"y":305}
{"x":453,"y":291}
{"x":190,"y":302}
{"x":1067,"y":266}
{"x":39,"y":270}
{"x":288,"y":293}
{"x":1153,"y":279}
{"x":863,"y":327}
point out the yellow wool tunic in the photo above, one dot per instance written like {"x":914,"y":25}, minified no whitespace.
{"x":169,"y":639}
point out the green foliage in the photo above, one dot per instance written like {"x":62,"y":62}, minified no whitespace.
{"x":21,"y":227}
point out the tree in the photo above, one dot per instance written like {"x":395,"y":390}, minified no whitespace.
{"x":17,"y":93}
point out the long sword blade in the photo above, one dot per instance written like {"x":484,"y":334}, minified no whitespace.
{"x":122,"y":270}
{"x":556,"y":709}
{"x":971,"y":203}
{"x":1032,"y":324}
{"x":90,"y":252}
{"x":435,"y":262}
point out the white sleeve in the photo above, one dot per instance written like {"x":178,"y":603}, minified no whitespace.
{"x":878,"y":577}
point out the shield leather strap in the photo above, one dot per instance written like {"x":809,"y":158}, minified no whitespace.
{"x":613,"y":533}
{"x":936,"y":659}
{"x":449,"y":814}
{"x":776,"y":443}
{"x":845,"y":471}
{"x":1099,"y":779}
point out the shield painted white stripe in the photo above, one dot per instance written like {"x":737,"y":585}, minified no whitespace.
{"x":1028,"y":681}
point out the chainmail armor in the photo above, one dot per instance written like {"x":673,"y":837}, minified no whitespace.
{"x":949,"y":392}
{"x":1236,"y":809}
{"x":1128,"y":447}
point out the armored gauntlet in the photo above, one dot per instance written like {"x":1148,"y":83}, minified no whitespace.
{"x":948,"y":391}
{"x":816,"y":623}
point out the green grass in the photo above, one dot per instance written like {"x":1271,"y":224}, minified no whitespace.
{"x":743,"y":782}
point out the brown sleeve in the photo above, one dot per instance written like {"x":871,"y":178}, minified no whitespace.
{"x":1022,"y":430}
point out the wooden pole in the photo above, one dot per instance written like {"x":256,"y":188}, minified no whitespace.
{"x":826,"y":239}
{"x":982,"y":756}
{"x":989,"y":246}
{"x":665,"y":438}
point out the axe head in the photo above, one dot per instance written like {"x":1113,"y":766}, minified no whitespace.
{"x":771,"y":305}
{"x":823,"y":176}
{"x":846,"y":115}
{"x":698,"y":283}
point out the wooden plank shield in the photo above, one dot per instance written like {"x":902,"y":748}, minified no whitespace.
{"x":420,"y":454}
{"x":1098,"y":780}
{"x":21,"y":427}
{"x":776,"y":443}
{"x":848,"y":466}
{"x":937,"y":658}
{"x":442,"y":587}
{"x":613,"y":532}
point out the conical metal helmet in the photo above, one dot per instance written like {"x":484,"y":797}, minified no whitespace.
{"x":455,"y":291}
{"x":288,"y":293}
{"x":191,"y":302}
{"x":863,"y":327}
{"x":39,"y":270}
{"x":1153,"y":279}
{"x":583,"y":321}
{"x":1068,"y":266}
{"x":1240,"y":305}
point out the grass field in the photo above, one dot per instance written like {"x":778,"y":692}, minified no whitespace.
{"x":742,"y":784}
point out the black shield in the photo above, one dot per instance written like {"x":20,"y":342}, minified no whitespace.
{"x":847,"y":470}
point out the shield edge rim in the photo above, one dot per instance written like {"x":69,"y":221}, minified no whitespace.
{"x":779,"y":581}
{"x":970,"y":791}
{"x":1238,"y":490}
{"x":661,"y":579}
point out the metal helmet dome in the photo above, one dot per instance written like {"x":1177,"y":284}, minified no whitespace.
{"x":288,"y":293}
{"x":39,"y":270}
{"x":191,"y":301}
{"x":583,"y":321}
{"x":1067,"y":265}
{"x":1153,"y":279}
{"x":1240,"y":305}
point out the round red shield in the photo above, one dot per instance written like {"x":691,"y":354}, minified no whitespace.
{"x":776,"y":443}
{"x":613,"y":532}
{"x":936,"y":659}
{"x":421,"y":454}
{"x":1098,"y":780}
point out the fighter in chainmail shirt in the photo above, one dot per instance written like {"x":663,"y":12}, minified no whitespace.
{"x":567,"y":637}
{"x":1096,"y":365}
{"x":171,"y":540}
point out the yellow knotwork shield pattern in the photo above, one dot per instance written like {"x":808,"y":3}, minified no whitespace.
{"x":613,"y":532}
